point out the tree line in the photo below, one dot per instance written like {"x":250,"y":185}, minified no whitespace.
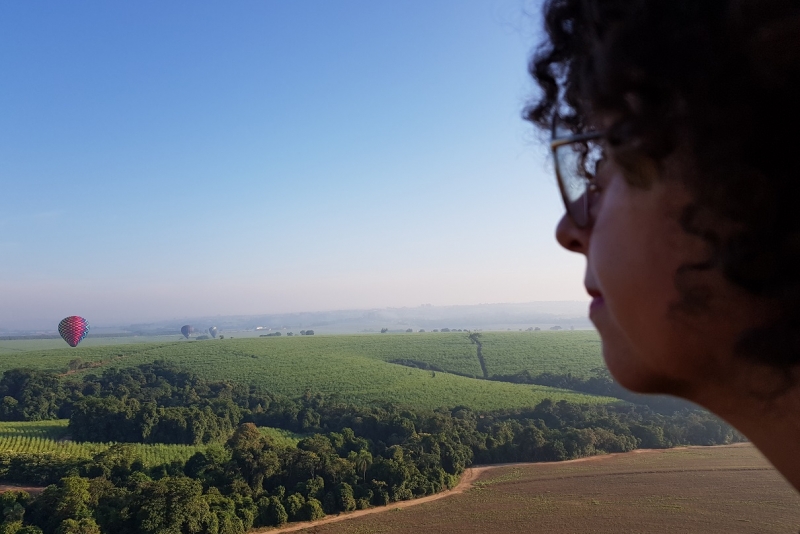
{"x":352,"y":457}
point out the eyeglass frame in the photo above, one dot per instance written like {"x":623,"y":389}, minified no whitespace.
{"x":555,"y":144}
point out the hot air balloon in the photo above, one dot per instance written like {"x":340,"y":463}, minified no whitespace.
{"x":73,"y":329}
{"x":213,"y":331}
{"x":186,"y":330}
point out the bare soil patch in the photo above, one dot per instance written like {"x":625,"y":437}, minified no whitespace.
{"x":693,"y":489}
{"x":33,"y":490}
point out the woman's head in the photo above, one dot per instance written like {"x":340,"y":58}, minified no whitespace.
{"x":695,"y":246}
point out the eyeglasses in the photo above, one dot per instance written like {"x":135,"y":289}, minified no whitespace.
{"x":576,"y":158}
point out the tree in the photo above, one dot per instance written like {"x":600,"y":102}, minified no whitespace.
{"x":312,"y":510}
{"x":86,"y":525}
{"x":344,"y":497}
{"x":384,"y":330}
{"x":12,"y":504}
{"x":363,"y":460}
{"x":74,"y":498}
{"x":172,"y":505}
{"x":271,"y":512}
{"x":228,"y":523}
{"x":313,"y":487}
{"x":37,"y":395}
{"x":294,"y":506}
{"x":11,"y":527}
{"x":253,"y":455}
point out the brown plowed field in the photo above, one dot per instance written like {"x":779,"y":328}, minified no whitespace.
{"x":696,"y":489}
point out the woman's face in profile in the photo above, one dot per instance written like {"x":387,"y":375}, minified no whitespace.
{"x":634,"y":250}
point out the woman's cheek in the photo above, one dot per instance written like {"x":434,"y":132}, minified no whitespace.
{"x":634,"y":275}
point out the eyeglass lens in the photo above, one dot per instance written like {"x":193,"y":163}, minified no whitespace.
{"x":573,"y":185}
{"x":576,"y":164}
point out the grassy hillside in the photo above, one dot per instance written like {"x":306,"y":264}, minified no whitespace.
{"x":353,"y":367}
{"x":576,"y":352}
{"x":16,"y":346}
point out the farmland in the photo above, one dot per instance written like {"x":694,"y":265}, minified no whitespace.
{"x":577,"y":352}
{"x":710,"y":490}
{"x":508,"y":353}
{"x":49,"y":437}
{"x":163,"y":424}
{"x":16,"y":346}
{"x":357,"y":368}
{"x":52,"y":437}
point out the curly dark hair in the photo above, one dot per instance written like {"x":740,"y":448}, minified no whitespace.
{"x":719,"y":80}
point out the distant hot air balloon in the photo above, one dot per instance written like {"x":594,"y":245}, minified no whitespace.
{"x":213,"y":331}
{"x":73,"y":329}
{"x":186,"y":330}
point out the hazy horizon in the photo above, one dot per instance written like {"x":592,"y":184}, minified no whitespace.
{"x":482,"y":313}
{"x":168,"y":160}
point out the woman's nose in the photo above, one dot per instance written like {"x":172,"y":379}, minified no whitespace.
{"x":571,"y":237}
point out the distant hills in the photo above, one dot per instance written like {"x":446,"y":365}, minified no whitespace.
{"x":566,"y":314}
{"x":473,"y":317}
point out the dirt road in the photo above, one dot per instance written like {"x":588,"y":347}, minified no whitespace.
{"x":467,"y":479}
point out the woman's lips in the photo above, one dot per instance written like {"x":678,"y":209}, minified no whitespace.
{"x":597,"y":300}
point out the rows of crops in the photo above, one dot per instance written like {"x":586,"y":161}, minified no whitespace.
{"x":356,"y":367}
{"x":50,"y":437}
{"x":576,"y":352}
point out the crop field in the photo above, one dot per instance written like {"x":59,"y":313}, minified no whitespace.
{"x":16,"y":346}
{"x":50,"y":437}
{"x":353,"y":367}
{"x":452,"y":352}
{"x":699,"y":489}
{"x":577,"y":352}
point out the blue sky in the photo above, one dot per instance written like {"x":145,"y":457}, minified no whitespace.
{"x":173,"y":159}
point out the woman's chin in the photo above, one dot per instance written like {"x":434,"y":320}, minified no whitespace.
{"x":624,"y":371}
{"x":630,"y":372}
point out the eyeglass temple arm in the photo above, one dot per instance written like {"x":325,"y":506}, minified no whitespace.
{"x":555,"y":143}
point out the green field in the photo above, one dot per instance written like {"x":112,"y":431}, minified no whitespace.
{"x":577,"y":352}
{"x":281,"y":437}
{"x":16,"y":346}
{"x":355,"y":367}
{"x":51,"y":437}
